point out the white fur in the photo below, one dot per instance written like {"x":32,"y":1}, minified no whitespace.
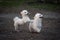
{"x":36,"y":23}
{"x":21,"y":21}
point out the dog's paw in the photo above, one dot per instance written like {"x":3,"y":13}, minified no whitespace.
{"x":17,"y":30}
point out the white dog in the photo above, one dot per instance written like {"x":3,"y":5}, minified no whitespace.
{"x":21,"y":21}
{"x":36,"y":23}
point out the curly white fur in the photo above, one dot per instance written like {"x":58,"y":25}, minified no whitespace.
{"x":21,"y":21}
{"x":36,"y":23}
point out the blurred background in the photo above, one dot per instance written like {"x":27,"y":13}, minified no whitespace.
{"x":50,"y":21}
{"x":52,"y":5}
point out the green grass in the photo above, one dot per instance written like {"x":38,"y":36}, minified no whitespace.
{"x":33,"y":5}
{"x":46,"y":6}
{"x":10,"y":3}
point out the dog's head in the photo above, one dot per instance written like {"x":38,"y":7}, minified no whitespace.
{"x":38,"y":15}
{"x":24,"y":12}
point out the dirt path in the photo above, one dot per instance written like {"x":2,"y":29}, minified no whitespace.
{"x":50,"y":29}
{"x":46,"y":15}
{"x":13,"y":11}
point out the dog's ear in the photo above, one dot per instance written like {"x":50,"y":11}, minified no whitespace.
{"x":21,"y":12}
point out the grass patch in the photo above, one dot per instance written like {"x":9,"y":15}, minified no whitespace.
{"x":33,"y":5}
{"x":46,"y":6}
{"x":10,"y":3}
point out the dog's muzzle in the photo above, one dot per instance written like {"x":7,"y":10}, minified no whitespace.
{"x":40,"y":17}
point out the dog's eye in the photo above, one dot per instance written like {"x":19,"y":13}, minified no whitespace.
{"x":25,"y":12}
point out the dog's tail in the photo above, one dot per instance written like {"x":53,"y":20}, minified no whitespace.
{"x":16,"y":18}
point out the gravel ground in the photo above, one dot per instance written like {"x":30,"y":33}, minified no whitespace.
{"x":50,"y":30}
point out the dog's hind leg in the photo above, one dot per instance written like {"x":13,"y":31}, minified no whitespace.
{"x":16,"y":27}
{"x":36,"y":29}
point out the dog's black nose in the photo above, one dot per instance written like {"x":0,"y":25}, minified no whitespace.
{"x":40,"y":17}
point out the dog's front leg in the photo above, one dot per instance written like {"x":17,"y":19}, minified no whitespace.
{"x":30,"y":27}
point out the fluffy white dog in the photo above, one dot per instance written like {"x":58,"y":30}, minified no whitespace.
{"x":36,"y":23}
{"x":21,"y":21}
